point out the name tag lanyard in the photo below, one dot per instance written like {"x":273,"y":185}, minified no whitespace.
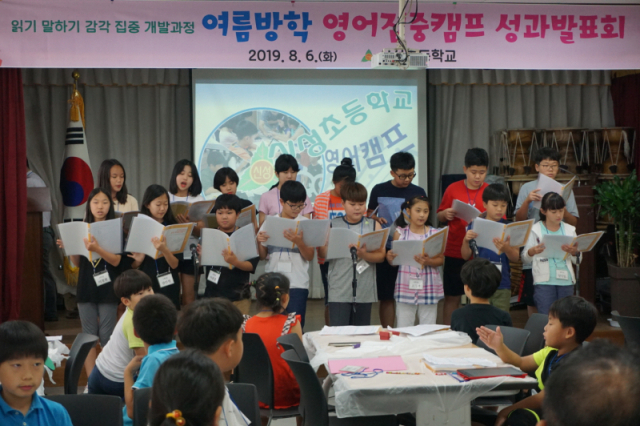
{"x":418,"y":282}
{"x":469,"y":195}
{"x":555,"y":264}
{"x":165,"y":278}
{"x":101,"y":277}
{"x":354,"y":283}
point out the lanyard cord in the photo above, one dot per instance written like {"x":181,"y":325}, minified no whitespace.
{"x":556,"y":359}
{"x":349,"y":224}
{"x":469,"y":195}
{"x":96,"y":264}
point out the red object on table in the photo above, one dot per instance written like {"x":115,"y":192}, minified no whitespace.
{"x":385,"y":335}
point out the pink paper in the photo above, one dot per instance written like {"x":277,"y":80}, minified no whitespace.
{"x":386,"y":363}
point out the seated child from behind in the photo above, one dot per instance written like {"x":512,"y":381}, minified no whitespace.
{"x":571,"y":320}
{"x":271,"y":322}
{"x":154,"y":321}
{"x":178,"y":379}
{"x":481,"y":279}
{"x":214,"y":327}
{"x":23,"y":351}
{"x":107,"y":377}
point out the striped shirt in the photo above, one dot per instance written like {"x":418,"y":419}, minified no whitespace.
{"x":327,"y":206}
{"x":432,"y":290}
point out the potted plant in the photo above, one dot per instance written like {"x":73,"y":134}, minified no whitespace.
{"x":620,"y":199}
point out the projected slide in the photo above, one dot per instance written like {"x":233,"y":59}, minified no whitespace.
{"x":247,"y":126}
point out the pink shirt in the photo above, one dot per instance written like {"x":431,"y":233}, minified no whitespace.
{"x":270,"y":203}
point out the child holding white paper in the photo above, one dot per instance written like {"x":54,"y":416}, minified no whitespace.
{"x":553,"y":278}
{"x":229,"y":282}
{"x":417,"y":290}
{"x":164,"y":271}
{"x":97,"y":302}
{"x":292,"y":263}
{"x":185,"y":185}
{"x":495,"y":200}
{"x":547,"y":162}
{"x":340,"y":277}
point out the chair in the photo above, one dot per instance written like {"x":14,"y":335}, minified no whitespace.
{"x":255,"y":368}
{"x":535,"y":325}
{"x":514,"y":338}
{"x":78,"y":354}
{"x":630,"y":328}
{"x":245,"y":396}
{"x":312,"y":398}
{"x":292,"y":341}
{"x":141,"y":399}
{"x":91,"y":410}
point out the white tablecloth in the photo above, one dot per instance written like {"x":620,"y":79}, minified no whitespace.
{"x":394,"y":393}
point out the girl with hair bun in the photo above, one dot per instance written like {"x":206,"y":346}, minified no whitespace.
{"x":328,"y":205}
{"x":188,"y":390}
{"x":271,"y":322}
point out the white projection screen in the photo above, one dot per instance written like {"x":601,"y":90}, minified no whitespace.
{"x":244,"y":119}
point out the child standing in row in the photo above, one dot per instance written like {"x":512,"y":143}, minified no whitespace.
{"x":112,"y":177}
{"x":226,"y":181}
{"x":271,"y":322}
{"x":417,"y":290}
{"x":164,"y":272}
{"x":553,"y":277}
{"x":293,"y":263}
{"x":97,"y":303}
{"x":495,"y":200}
{"x":185,"y":185}
{"x":286,"y":168}
{"x":223,"y":281}
{"x":341,"y":303}
{"x":476,"y":161}
{"x":391,"y":195}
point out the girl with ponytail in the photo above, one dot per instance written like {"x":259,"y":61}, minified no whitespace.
{"x":271,"y":322}
{"x":188,"y":390}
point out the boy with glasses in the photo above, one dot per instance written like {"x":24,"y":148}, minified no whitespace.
{"x":387,"y":199}
{"x":293,"y":263}
{"x":547,"y":161}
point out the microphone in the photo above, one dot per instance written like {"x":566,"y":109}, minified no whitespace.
{"x":474,"y":247}
{"x":354,"y":254}
{"x":194,"y":254}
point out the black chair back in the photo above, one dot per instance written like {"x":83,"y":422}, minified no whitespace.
{"x":74,"y":364}
{"x":514,"y":338}
{"x":255,"y":368}
{"x":91,"y":410}
{"x":312,"y":398}
{"x":535,"y":325}
{"x":630,"y":328}
{"x":141,"y":399}
{"x":292,"y":341}
{"x":245,"y":396}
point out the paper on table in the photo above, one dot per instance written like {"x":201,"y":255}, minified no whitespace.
{"x":246,"y":216}
{"x":465,"y":211}
{"x":487,"y":230}
{"x":518,"y":232}
{"x":349,"y":330}
{"x":275,"y":227}
{"x":436,"y":363}
{"x":53,"y":338}
{"x":314,"y":232}
{"x":546,"y":185}
{"x":553,"y":246}
{"x":422,"y":329}
{"x":243,"y":243}
{"x":384,"y":363}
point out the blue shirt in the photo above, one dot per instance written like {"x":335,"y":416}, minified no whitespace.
{"x":491,"y":256}
{"x":41,"y":413}
{"x":156,"y":355}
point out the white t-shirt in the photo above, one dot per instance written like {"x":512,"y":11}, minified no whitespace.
{"x":130,"y":206}
{"x":117,"y":353}
{"x":35,"y":181}
{"x":231,"y":414}
{"x":299,"y":272}
{"x":192,"y":240}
